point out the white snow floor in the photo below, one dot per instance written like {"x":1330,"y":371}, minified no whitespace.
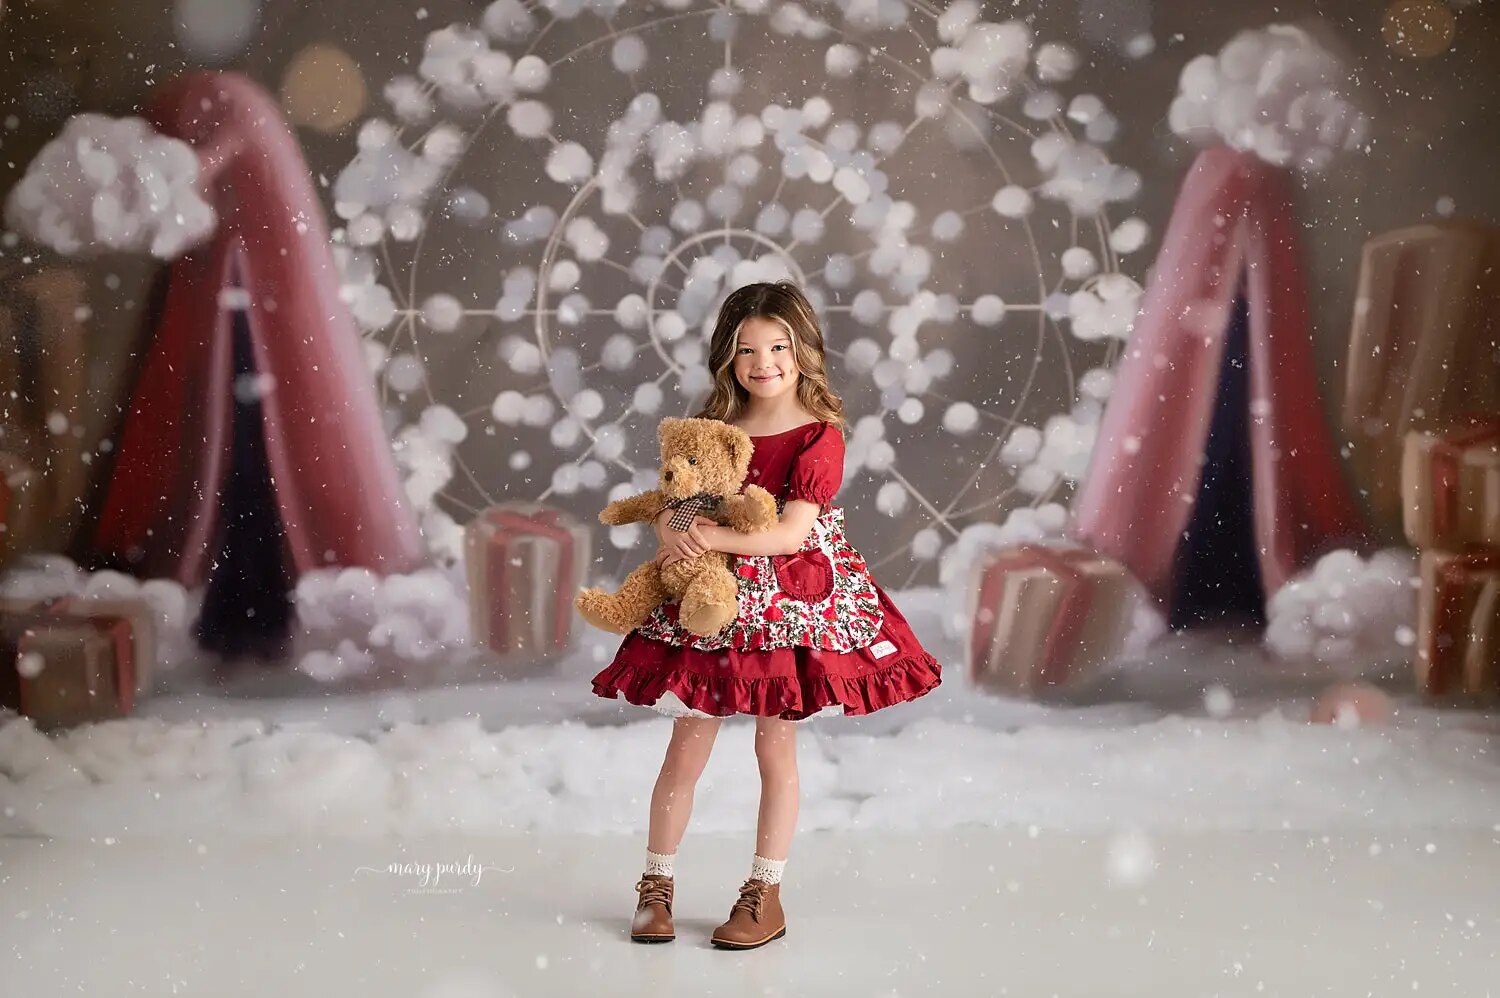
{"x":967,"y":911}
{"x":1117,"y":839}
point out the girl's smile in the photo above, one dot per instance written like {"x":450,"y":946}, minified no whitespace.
{"x":764,"y":361}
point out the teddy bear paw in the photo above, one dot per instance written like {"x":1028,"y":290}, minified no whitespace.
{"x":706,"y":618}
{"x":599,"y":609}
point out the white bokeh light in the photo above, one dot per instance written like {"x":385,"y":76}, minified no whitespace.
{"x":606,"y":288}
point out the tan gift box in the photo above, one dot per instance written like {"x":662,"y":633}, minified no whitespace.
{"x":69,"y":661}
{"x":1458,"y":641}
{"x":525,"y":562}
{"x":1422,"y":345}
{"x":1043,"y":616}
{"x":1450,"y":485}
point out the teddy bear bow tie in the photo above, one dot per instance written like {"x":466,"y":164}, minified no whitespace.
{"x":683,"y":510}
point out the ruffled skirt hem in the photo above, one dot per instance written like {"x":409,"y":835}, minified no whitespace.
{"x":793,"y":692}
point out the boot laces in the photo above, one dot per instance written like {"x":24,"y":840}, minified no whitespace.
{"x":658,"y":891}
{"x":752,"y":893}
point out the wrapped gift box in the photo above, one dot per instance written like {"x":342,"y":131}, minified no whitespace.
{"x":1450,"y":485}
{"x":1043,"y":616}
{"x":20,"y":506}
{"x":1422,"y":345}
{"x":1458,"y":643}
{"x":525,"y":563}
{"x":69,"y":661}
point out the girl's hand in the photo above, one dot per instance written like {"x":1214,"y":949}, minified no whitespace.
{"x":689,"y":543}
{"x":662,"y":522}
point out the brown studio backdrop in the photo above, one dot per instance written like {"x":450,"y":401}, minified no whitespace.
{"x":1435,"y":122}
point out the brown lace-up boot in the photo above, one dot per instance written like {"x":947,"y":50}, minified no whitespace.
{"x":755,"y":919}
{"x":653,"y":911}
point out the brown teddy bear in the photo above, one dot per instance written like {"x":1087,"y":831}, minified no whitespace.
{"x":703,"y":468}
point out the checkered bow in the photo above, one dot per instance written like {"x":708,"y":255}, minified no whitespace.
{"x":683,"y":510}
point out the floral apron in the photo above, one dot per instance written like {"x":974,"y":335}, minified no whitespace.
{"x":820,"y":597}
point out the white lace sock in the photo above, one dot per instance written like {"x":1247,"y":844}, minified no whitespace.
{"x":768,"y":870}
{"x":659,"y":863}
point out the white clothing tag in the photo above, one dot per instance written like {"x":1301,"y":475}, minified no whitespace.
{"x":882,"y":649}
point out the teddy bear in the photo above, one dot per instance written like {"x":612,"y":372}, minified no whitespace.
{"x":703,"y":467}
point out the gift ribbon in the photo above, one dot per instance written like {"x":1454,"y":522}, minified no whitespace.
{"x":1443,"y":660}
{"x":548,"y":523}
{"x":1072,"y":613}
{"x":1446,"y":455}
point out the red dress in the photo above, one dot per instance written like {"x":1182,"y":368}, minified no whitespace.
{"x":815,"y":634}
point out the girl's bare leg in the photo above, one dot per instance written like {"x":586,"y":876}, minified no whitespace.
{"x":672,"y":798}
{"x":780,"y":789}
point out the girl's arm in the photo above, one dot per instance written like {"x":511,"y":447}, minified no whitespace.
{"x":787,"y":537}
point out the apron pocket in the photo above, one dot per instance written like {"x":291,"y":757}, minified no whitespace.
{"x":806,"y":576}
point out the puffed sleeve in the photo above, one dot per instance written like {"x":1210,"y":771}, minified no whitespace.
{"x":818,"y":469}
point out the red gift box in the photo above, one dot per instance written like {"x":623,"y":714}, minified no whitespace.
{"x":525,"y":562}
{"x":1043,"y":616}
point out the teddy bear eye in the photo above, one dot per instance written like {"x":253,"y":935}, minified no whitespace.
{"x":692,"y":460}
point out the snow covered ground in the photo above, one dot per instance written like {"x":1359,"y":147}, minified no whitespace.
{"x":1144,"y":747}
{"x":1177,"y":824}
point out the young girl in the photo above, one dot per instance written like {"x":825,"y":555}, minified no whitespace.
{"x":815,"y":635}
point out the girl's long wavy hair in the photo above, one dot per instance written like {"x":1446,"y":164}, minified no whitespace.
{"x":783,"y":303}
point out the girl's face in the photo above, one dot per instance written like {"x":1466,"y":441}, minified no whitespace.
{"x":764,"y":361}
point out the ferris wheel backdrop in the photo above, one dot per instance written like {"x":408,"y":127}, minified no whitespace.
{"x":537,"y":281}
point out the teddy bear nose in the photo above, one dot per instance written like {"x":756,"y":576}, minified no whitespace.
{"x":668,"y":476}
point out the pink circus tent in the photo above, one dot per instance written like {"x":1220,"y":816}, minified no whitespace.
{"x":336,"y":490}
{"x":1225,"y":309}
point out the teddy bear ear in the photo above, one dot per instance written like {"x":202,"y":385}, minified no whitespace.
{"x":665,"y":427}
{"x":740,"y":445}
